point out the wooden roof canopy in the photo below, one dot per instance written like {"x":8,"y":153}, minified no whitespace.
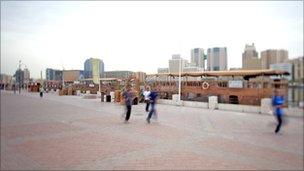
{"x":244,"y":73}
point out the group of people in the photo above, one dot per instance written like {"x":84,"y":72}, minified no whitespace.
{"x":151,"y":97}
{"x":150,"y":100}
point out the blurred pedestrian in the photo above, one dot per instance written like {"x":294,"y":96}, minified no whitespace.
{"x":153,"y":98}
{"x":147,"y":97}
{"x":41,"y":91}
{"x":277,"y":103}
{"x":128,"y":96}
{"x":14,"y":88}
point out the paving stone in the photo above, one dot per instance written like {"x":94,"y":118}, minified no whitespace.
{"x":72,"y":133}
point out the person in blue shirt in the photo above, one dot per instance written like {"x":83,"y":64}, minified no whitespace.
{"x":153,"y":97}
{"x":277,"y":103}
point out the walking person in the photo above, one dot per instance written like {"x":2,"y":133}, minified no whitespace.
{"x":277,"y":103}
{"x":41,"y":91}
{"x":147,"y":97}
{"x":153,"y":97}
{"x":14,"y":88}
{"x":128,"y":96}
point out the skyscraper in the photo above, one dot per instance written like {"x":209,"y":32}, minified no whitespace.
{"x":273,"y":56}
{"x":250,"y":58}
{"x":197,"y":57}
{"x":217,"y":59}
{"x":93,"y":64}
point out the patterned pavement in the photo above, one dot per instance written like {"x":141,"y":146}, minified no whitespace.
{"x":71,"y":133}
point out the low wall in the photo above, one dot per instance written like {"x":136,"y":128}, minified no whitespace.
{"x":294,"y":111}
{"x":165,"y":101}
{"x":195,"y":104}
{"x":239,"y":108}
{"x":297,"y":112}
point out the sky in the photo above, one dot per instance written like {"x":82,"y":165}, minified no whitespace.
{"x":141,"y":36}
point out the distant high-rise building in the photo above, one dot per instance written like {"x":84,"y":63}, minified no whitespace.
{"x":118,"y":74}
{"x":53,"y":74}
{"x":176,"y":62}
{"x":217,"y":59}
{"x":298,"y":69}
{"x":273,"y":56}
{"x":92,"y":65}
{"x":250,"y":58}
{"x":197,"y":57}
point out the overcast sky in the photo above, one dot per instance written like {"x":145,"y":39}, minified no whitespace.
{"x":141,"y":36}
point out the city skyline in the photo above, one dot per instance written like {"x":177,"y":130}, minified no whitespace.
{"x":141,"y":36}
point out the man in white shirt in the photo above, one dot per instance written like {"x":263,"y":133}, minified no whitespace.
{"x":147,"y":97}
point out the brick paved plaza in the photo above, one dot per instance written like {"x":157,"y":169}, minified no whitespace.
{"x":68,"y":132}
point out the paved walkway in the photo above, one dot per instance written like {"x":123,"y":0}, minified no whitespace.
{"x":68,"y":132}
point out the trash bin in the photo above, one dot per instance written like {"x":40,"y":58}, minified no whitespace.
{"x":108,"y":98}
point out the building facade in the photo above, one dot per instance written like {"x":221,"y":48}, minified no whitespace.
{"x":273,"y":56}
{"x":283,"y":66}
{"x":26,"y":73}
{"x":19,"y":75}
{"x":141,"y":76}
{"x":49,"y":74}
{"x":250,"y":59}
{"x":298,"y":69}
{"x":197,"y":57}
{"x":6,"y":79}
{"x":162,"y":70}
{"x":176,"y":62}
{"x":92,"y":66}
{"x":53,"y":74}
{"x":192,"y":69}
{"x":71,"y":75}
{"x":118,"y":74}
{"x":217,"y":59}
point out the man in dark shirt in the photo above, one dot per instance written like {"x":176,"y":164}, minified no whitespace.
{"x":128,"y":96}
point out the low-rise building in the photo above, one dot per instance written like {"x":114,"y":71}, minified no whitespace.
{"x":163,"y":70}
{"x":141,"y":76}
{"x":285,"y":67}
{"x":71,"y":75}
{"x":118,"y":74}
